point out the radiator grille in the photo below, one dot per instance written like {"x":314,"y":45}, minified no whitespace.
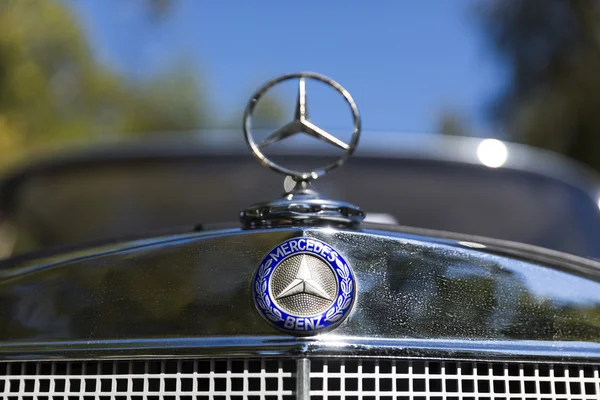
{"x":265,"y":379}
{"x":405,"y":379}
{"x":180,"y":379}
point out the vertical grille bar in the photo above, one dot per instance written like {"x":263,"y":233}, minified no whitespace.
{"x":303,"y":379}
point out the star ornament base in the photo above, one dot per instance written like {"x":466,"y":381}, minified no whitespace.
{"x":304,"y":287}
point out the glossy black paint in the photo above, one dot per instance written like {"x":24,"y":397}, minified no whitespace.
{"x":198,"y":286}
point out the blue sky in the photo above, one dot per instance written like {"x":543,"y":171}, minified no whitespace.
{"x":404,"y":62}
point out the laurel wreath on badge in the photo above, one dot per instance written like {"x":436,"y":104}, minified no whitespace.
{"x":344,"y":300}
{"x":262,"y":298}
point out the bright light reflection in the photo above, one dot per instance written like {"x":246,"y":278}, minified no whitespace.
{"x":492,"y":153}
{"x":472,"y":245}
{"x":381,"y":218}
{"x":289,"y":184}
{"x":329,"y":230}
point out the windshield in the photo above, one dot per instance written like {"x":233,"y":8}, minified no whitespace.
{"x":109,"y":200}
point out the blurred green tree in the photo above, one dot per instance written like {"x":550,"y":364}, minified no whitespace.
{"x":170,"y":101}
{"x":53,"y":90}
{"x":451,"y":122}
{"x":551,"y":52}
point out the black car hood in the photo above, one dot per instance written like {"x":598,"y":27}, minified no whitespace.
{"x":199,"y":286}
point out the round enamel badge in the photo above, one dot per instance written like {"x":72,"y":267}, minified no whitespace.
{"x":304,"y":286}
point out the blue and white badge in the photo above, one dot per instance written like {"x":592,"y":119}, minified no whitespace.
{"x":304,"y":286}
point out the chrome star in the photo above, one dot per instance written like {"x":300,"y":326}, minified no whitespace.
{"x":301,"y":123}
{"x":304,"y":283}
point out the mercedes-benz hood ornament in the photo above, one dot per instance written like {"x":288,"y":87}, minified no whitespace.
{"x":301,"y":124}
{"x":302,"y":205}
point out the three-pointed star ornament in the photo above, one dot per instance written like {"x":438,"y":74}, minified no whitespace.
{"x":304,"y":283}
{"x":301,"y":123}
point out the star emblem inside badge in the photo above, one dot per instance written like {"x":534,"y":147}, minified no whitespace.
{"x":304,"y":283}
